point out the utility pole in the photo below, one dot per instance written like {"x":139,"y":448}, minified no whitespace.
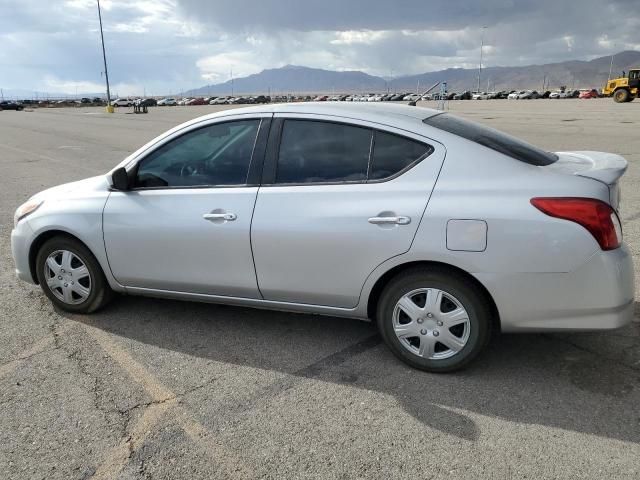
{"x":481,"y":48}
{"x":104,"y":58}
{"x":232,"y":82}
{"x":610,"y":67}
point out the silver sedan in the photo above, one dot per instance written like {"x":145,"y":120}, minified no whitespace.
{"x":440,"y":230}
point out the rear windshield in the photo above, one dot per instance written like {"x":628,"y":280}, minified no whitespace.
{"x":493,"y":139}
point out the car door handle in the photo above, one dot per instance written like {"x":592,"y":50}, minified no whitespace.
{"x":229,"y":217}
{"x":400,"y":220}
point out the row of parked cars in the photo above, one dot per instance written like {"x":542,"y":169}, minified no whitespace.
{"x":171,"y":101}
{"x":466,"y":95}
{"x":249,"y":100}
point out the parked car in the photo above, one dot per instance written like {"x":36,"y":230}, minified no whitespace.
{"x":219,"y":101}
{"x":147,"y":102}
{"x":167,"y":102}
{"x":324,"y":238}
{"x":480,"y":96}
{"x":85,"y":100}
{"x":97,"y":100}
{"x":466,"y":95}
{"x":515,"y":95}
{"x":123,"y":102}
{"x":588,"y":93}
{"x":9,"y":105}
{"x":261,"y":99}
{"x":555,"y":94}
{"x":197,"y":101}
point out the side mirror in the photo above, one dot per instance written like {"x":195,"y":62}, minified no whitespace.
{"x":120,"y":179}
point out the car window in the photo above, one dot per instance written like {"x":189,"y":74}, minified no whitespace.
{"x":493,"y":139}
{"x":218,"y":154}
{"x":317,"y":152}
{"x":392,"y":153}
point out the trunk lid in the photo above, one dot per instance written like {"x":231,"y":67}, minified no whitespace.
{"x":603,"y":167}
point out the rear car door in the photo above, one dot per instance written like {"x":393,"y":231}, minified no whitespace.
{"x":338,"y":198}
{"x":184,"y":226}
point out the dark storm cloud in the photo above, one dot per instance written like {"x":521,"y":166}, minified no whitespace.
{"x":308,"y":15}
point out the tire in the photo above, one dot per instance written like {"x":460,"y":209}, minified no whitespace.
{"x":459,"y":297}
{"x":99,"y":292}
{"x":621,"y":96}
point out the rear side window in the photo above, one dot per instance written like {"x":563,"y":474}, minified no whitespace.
{"x":318,"y":152}
{"x":493,"y":139}
{"x":392,"y":154}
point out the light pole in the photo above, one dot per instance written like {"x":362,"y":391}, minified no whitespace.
{"x":610,"y":67}
{"x":104,"y":58}
{"x":480,"y":65}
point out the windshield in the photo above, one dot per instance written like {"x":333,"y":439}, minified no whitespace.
{"x":493,"y":139}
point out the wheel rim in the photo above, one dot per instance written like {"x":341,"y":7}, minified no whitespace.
{"x":67,"y":277}
{"x":431,"y":323}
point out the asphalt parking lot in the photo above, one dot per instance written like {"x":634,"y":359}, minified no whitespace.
{"x":161,"y":389}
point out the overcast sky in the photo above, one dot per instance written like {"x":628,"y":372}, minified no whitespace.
{"x":165,"y":46}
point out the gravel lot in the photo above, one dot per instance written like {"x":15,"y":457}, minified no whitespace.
{"x":162,"y":389}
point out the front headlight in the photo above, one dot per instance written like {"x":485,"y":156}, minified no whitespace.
{"x":25,"y":209}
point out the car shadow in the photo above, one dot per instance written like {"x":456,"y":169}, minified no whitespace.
{"x":580,"y":382}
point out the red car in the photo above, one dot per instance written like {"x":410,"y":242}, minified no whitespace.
{"x":197,"y":101}
{"x":588,"y":94}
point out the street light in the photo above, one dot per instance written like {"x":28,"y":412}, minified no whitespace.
{"x":480,"y":66}
{"x":104,"y":57}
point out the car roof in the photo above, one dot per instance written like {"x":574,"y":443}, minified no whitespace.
{"x":375,"y":112}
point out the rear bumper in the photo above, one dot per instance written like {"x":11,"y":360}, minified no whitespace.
{"x":599,"y":295}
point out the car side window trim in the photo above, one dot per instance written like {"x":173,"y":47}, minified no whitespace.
{"x":275,"y":139}
{"x":255,"y":163}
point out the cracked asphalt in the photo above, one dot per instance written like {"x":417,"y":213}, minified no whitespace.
{"x":158,"y":389}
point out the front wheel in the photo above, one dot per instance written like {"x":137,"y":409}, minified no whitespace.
{"x":433,"y":319}
{"x":71,"y":277}
{"x":621,"y":96}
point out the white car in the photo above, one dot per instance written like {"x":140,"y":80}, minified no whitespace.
{"x":514,"y":95}
{"x":440,"y":230}
{"x":167,"y":102}
{"x":480,"y":96}
{"x":555,"y":95}
{"x":123,"y":102}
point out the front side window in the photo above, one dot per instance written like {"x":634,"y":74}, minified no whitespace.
{"x":393,"y":153}
{"x":218,"y":154}
{"x":321,"y":152}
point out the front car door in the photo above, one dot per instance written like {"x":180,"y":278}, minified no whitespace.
{"x":337,"y":200}
{"x":184,"y":226}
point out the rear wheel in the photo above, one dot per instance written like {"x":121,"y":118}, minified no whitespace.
{"x":70,"y":276}
{"x":433,"y":319}
{"x":620,"y":96}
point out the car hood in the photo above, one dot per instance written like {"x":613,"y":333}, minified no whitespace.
{"x":73,"y":189}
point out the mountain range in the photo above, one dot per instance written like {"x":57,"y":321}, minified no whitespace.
{"x":294,"y":79}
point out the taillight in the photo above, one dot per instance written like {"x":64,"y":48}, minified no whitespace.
{"x":595,"y":215}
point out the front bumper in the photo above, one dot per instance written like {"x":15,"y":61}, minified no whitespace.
{"x":21,"y":238}
{"x":599,"y":295}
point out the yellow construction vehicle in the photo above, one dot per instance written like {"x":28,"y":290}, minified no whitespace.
{"x":625,"y":88}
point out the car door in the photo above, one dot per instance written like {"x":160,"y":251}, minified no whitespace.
{"x":337,"y":200}
{"x":184,"y":225}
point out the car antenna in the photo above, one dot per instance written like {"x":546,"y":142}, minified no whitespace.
{"x":412,"y":103}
